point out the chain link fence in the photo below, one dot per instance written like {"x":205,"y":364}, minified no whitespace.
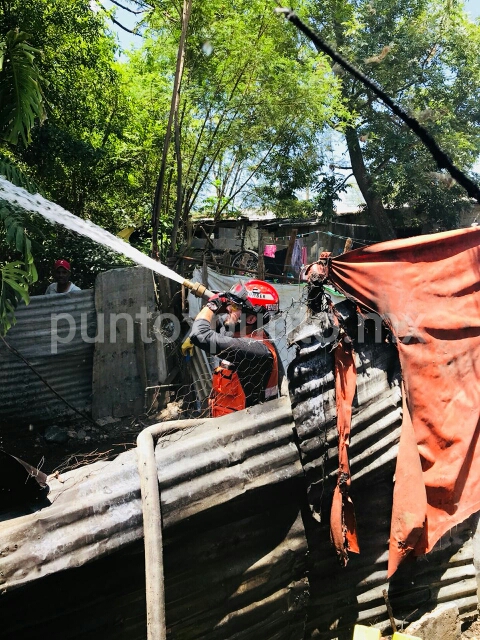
{"x":190,"y":398}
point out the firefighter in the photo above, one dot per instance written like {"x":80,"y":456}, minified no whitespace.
{"x":249,"y":364}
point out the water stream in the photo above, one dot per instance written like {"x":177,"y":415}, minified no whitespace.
{"x":54,"y":213}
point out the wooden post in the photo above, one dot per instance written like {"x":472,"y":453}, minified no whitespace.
{"x":184,"y":299}
{"x":225,"y":262}
{"x":389,"y":610}
{"x":288,"y":257}
{"x":205,"y":271}
{"x":261,"y":261}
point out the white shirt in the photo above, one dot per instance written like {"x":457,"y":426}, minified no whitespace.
{"x":52,"y":288}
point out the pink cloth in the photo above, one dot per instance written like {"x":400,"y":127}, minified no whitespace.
{"x":269,"y":250}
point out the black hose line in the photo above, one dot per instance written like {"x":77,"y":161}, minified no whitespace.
{"x":440,"y":157}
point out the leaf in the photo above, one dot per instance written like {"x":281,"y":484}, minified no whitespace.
{"x":15,"y":276}
{"x":21,"y":100}
{"x":14,"y":283}
{"x":15,"y":175}
{"x":19,"y":238}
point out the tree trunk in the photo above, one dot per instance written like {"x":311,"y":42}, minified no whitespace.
{"x":179,"y":200}
{"x":375,"y":206}
{"x":157,"y":203}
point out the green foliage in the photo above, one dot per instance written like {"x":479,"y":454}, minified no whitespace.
{"x":253,"y":99}
{"x":424,"y":54}
{"x":14,"y":173}
{"x":87,"y":258}
{"x":76,"y":154}
{"x":21,"y":101}
{"x":21,"y":105}
{"x":19,"y":273}
{"x":82,"y":154}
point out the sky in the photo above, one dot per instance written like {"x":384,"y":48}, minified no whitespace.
{"x":127,"y":19}
{"x":473,"y":8}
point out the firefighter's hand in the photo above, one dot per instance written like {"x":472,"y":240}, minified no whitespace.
{"x":187,"y":348}
{"x":219,"y":302}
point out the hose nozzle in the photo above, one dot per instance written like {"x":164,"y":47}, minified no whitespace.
{"x":198,"y":289}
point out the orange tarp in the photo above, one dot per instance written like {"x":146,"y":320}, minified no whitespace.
{"x":343,"y":528}
{"x":428,"y":290}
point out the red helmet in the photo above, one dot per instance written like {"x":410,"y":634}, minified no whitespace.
{"x":263,"y":298}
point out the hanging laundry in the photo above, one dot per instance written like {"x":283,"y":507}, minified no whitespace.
{"x":297,"y":255}
{"x":269,"y":250}
{"x":304,"y":256}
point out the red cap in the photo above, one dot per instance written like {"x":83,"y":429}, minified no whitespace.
{"x":62,"y":263}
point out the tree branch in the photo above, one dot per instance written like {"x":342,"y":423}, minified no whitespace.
{"x":125,"y":28}
{"x":235,"y":193}
{"x":116,"y":21}
{"x":340,"y":186}
{"x":157,"y":203}
{"x":192,"y":191}
{"x":128,"y":8}
{"x":338,"y":166}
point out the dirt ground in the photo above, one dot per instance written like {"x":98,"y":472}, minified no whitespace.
{"x":472,"y":632}
{"x":82,"y":442}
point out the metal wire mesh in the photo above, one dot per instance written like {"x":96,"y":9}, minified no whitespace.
{"x":190,"y":398}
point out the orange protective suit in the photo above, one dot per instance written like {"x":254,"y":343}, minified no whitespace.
{"x":227,"y":394}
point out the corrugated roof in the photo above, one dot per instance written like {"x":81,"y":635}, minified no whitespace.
{"x":234,"y":541}
{"x":69,"y":371}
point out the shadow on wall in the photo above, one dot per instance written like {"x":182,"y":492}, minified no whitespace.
{"x":237,"y":570}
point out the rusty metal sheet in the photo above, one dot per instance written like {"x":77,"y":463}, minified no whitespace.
{"x":235,"y":545}
{"x":67,"y":366}
{"x":339,"y":597}
{"x":243,"y":580}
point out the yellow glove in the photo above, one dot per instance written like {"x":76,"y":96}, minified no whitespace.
{"x":187,"y":348}
{"x":365,"y":633}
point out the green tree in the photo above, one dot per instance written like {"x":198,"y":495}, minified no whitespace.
{"x":21,"y":101}
{"x":251,"y":95}
{"x":70,"y":152}
{"x":21,"y":104}
{"x":62,"y":116}
{"x":416,"y":51}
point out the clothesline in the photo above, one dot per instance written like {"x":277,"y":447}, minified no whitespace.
{"x":327,"y":233}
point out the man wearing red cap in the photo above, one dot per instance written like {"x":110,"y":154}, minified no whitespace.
{"x":61,"y":274}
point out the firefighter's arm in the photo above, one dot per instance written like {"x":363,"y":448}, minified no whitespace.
{"x":205,"y":314}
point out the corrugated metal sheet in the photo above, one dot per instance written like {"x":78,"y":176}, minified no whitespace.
{"x":339,"y":597}
{"x":69,"y":371}
{"x":235,"y":545}
{"x":235,"y":542}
